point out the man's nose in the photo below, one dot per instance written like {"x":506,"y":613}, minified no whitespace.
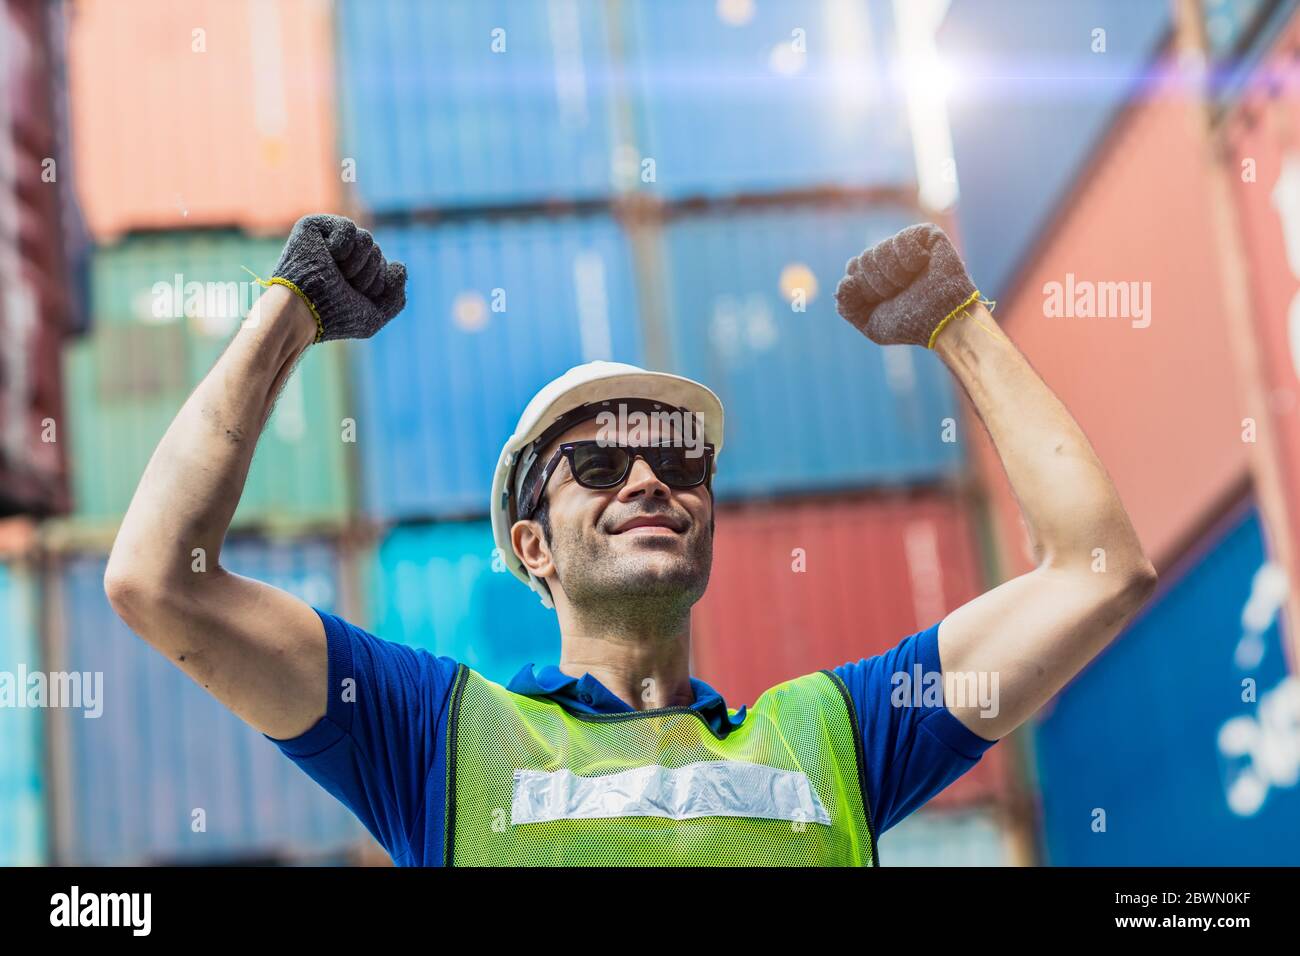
{"x":642,"y":479}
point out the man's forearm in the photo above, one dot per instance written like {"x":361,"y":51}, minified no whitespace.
{"x":1068,"y":502}
{"x":192,"y":484}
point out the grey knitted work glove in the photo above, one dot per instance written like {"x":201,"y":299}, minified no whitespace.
{"x":340,"y":270}
{"x":901,"y":289}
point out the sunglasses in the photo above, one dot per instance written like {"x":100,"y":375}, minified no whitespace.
{"x":600,"y":465}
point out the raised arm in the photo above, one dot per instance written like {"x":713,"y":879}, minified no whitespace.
{"x":1035,"y":632}
{"x":257,"y":649}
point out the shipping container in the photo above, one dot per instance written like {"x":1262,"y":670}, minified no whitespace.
{"x":166,"y":307}
{"x":476,"y":102}
{"x":816,"y":583}
{"x":943,"y":838}
{"x":29,"y":189}
{"x":442,"y":588}
{"x":495,"y":310}
{"x":33,"y":298}
{"x":811,"y":403}
{"x":33,"y":460}
{"x":163,"y":772}
{"x":1178,"y":746}
{"x":202,"y":113}
{"x":22,"y":727}
{"x":1263,"y":175}
{"x":731,"y":98}
{"x":73,"y":232}
{"x":1036,"y":86}
{"x":1146,"y":369}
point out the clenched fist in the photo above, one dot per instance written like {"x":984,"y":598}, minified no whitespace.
{"x":338,"y":267}
{"x":903,"y":287}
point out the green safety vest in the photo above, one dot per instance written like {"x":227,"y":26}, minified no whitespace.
{"x":531,"y":784}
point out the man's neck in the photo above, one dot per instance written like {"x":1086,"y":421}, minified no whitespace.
{"x":647,"y":668}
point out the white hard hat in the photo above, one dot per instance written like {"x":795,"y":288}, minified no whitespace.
{"x":582,"y":385}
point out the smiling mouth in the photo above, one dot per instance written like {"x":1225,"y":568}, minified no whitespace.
{"x":652,"y":526}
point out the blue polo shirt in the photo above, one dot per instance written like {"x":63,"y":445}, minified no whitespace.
{"x":380,"y":746}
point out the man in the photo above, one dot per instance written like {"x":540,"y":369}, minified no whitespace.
{"x":617,"y":754}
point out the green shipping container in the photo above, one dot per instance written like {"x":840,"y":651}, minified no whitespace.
{"x":165,"y":307}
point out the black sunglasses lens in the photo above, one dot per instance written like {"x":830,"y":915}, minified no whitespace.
{"x":676,"y":468}
{"x":598,"y":466}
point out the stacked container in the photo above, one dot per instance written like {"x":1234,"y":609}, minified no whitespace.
{"x":1093,"y":263}
{"x":1179,"y":746}
{"x":676,"y":185}
{"x":35,"y":307}
{"x":672,"y":184}
{"x":200,"y":132}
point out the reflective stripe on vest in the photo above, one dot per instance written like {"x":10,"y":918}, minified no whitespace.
{"x":530,"y":783}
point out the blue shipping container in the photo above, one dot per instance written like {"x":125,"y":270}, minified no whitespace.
{"x":472,"y":102}
{"x":22,"y":787}
{"x":162,"y":748}
{"x":760,"y":97}
{"x":1032,"y":102}
{"x":494,"y":311}
{"x":811,"y":403}
{"x":440,"y":588}
{"x":1154,"y":741}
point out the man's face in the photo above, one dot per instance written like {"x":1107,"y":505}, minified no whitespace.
{"x":602,"y":547}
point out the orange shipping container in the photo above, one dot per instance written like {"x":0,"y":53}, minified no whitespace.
{"x":202,"y":113}
{"x":814,"y":583}
{"x":1153,"y":386}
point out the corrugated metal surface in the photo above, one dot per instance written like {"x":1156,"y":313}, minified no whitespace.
{"x":33,"y":301}
{"x":494,"y":311}
{"x":810,"y":402}
{"x":22,"y":776}
{"x":163,"y":748}
{"x":760,"y":97}
{"x":435,"y":587}
{"x":33,"y":462}
{"x":28,"y":197}
{"x":1264,"y":173}
{"x":1158,"y":403}
{"x":1157,"y":734}
{"x":207,"y":112}
{"x":75,"y":235}
{"x":470,"y":102}
{"x":1032,"y":101}
{"x":929,"y":838}
{"x":127,"y":381}
{"x":874,"y":571}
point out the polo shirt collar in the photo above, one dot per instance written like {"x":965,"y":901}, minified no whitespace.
{"x":586,"y":694}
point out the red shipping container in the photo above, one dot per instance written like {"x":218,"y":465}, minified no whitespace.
{"x":29,"y":200}
{"x":33,"y":297}
{"x":1156,"y":394}
{"x":875,"y":570}
{"x":202,"y":113}
{"x":1263,"y":156}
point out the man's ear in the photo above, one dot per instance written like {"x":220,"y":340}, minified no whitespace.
{"x":531,"y":548}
